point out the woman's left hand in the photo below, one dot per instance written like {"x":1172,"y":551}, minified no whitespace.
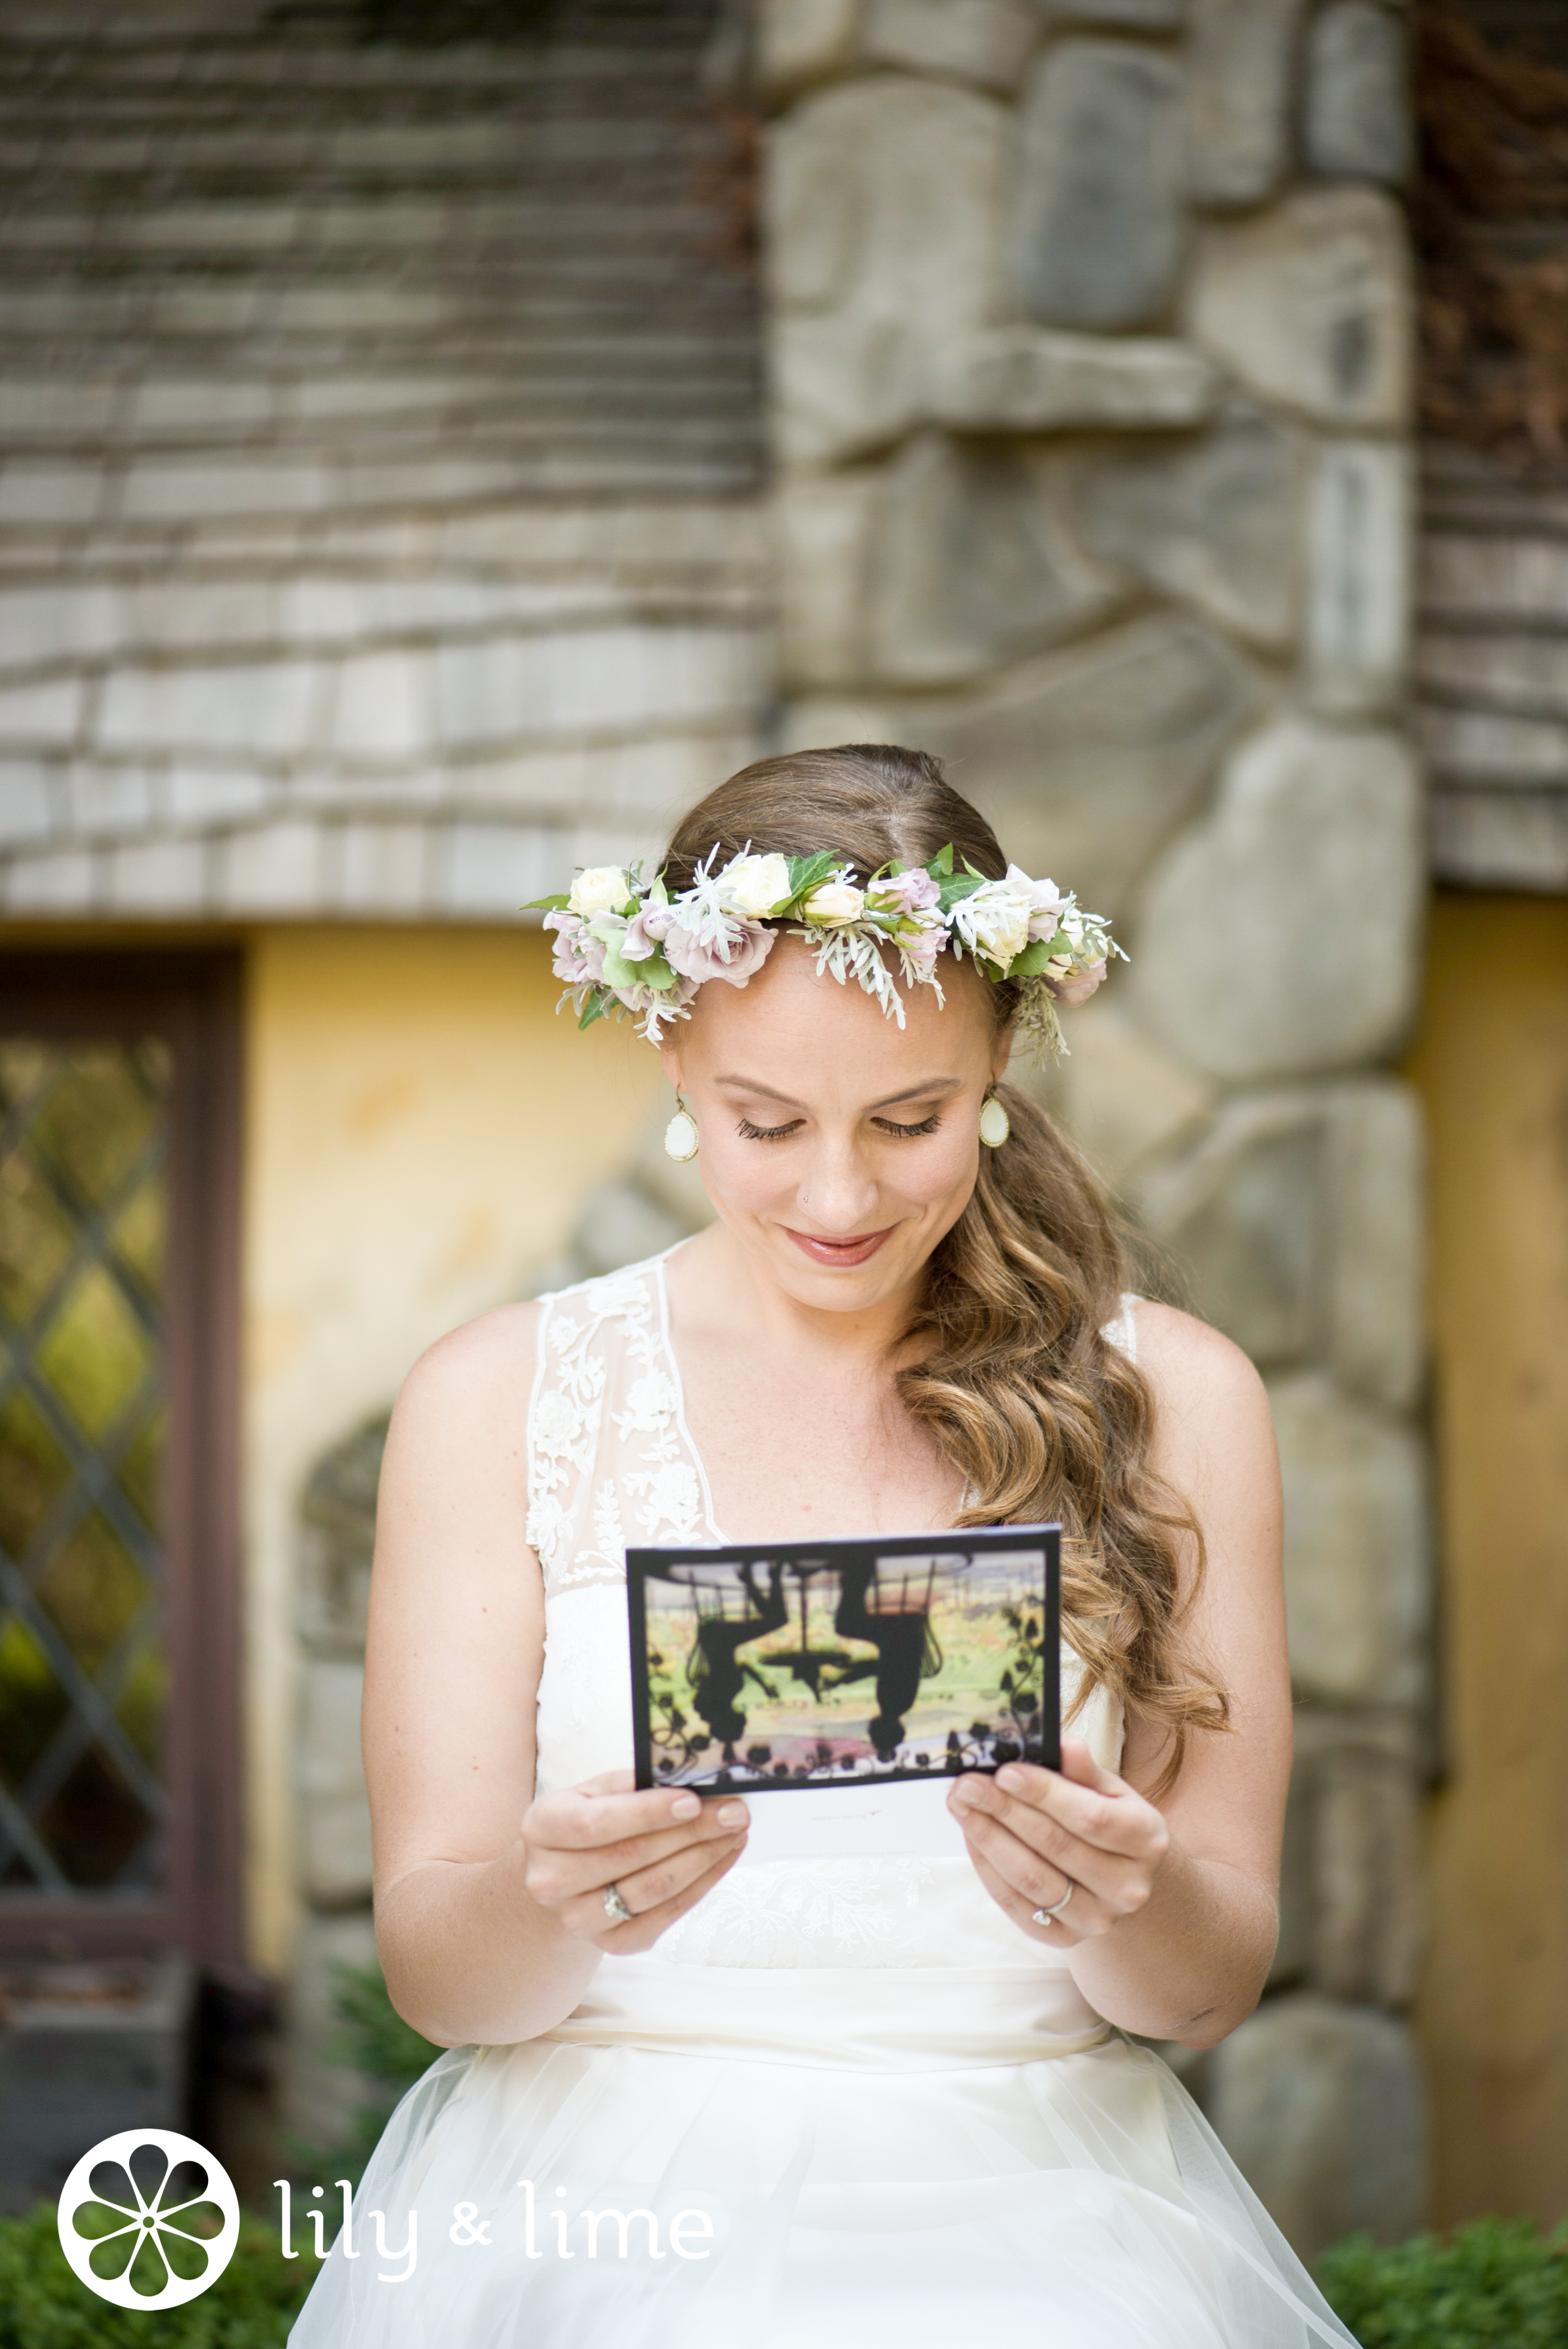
{"x":1033,"y":1833}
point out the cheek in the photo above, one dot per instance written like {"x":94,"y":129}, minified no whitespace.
{"x":749,"y":1173}
{"x":943,"y":1166}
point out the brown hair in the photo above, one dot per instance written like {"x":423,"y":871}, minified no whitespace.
{"x":1041,"y":1414}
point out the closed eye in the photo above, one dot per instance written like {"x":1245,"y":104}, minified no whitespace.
{"x":750,"y":1132}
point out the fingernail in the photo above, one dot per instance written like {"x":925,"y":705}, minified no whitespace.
{"x":734,"y":1815}
{"x":1012,"y":1782}
{"x":685,"y":1806}
{"x":964,"y":1795}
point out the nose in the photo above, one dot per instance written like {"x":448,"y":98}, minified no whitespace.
{"x":838,"y":1193}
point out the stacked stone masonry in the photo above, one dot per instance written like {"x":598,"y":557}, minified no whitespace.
{"x":379,"y":438}
{"x":1091,"y":362}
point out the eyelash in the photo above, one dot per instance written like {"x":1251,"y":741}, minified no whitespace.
{"x":750,"y":1132}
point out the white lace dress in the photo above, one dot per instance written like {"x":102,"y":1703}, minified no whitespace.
{"x":850,"y":2100}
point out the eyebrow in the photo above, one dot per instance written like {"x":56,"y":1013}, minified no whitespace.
{"x":925,"y":1091}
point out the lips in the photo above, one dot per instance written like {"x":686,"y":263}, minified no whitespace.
{"x":842,"y":1255}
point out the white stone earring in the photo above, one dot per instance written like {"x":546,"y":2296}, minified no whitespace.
{"x":680,"y":1134}
{"x":995,"y":1126}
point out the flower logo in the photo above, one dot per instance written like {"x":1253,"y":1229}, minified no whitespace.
{"x":149,"y":2218}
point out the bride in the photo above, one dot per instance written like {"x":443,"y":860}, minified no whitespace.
{"x":784,"y":2078}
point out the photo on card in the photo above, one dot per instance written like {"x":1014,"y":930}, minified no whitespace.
{"x":771,"y":1665}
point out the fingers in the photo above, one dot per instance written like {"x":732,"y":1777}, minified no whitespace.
{"x":626,"y":1940}
{"x":569,"y":1856}
{"x":1023,"y":1882}
{"x":581,"y":1818}
{"x":1049,"y":1846}
{"x":554,"y":1874}
{"x":1116,"y":1823}
{"x":644,"y":1889}
{"x":1075,"y":1924}
{"x":1079,"y":1763}
{"x":1038,"y":1829}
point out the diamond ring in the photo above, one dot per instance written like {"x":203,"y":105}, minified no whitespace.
{"x":1041,"y":1916}
{"x":616,"y":1908}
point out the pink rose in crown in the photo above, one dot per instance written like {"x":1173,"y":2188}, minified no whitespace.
{"x":645,"y":933}
{"x":1077,"y":986}
{"x":914,"y":892}
{"x":749,"y":945}
{"x":579,"y":959}
{"x":923,"y":948}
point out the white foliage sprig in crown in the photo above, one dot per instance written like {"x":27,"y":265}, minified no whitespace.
{"x":628,"y":946}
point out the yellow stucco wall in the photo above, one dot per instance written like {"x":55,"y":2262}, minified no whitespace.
{"x":420,"y":1131}
{"x":1491,"y":1063}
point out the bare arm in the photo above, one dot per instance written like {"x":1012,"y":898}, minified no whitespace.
{"x":1174,"y":1915}
{"x":489,"y":1910}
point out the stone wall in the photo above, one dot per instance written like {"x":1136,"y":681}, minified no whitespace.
{"x":1090,"y":333}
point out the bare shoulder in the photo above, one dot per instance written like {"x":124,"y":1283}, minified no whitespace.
{"x":1197,"y":1375}
{"x":479,"y":1375}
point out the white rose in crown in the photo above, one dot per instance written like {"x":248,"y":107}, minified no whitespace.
{"x":754,"y":885}
{"x":996,"y":920}
{"x":601,"y":889}
{"x":836,"y":903}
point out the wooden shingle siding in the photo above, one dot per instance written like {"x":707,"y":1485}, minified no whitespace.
{"x":380,"y":443}
{"x":1491,"y":671}
{"x":1491,"y":646}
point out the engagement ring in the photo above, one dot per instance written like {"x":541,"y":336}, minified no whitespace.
{"x":1041,"y":1917}
{"x":616,"y":1908}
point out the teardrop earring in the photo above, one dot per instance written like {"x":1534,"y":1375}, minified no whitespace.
{"x":995,"y":1126}
{"x":680,"y":1134}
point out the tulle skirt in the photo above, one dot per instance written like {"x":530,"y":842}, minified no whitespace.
{"x":583,"y":2196}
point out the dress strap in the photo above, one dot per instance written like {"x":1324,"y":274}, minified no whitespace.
{"x":1122,"y":1332}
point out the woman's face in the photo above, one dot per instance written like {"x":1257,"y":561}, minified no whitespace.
{"x":837,"y":1146}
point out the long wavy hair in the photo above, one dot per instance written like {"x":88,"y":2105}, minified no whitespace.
{"x":1005,"y":1360}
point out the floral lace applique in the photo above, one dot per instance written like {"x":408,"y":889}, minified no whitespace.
{"x":588,"y":1384}
{"x":821,"y":1912}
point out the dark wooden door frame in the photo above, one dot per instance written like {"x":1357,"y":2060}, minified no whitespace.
{"x":193,"y":998}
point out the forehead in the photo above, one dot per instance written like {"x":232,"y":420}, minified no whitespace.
{"x":789,"y":1014}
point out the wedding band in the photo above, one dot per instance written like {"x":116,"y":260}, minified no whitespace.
{"x":1049,"y":1916}
{"x":616,"y":1908}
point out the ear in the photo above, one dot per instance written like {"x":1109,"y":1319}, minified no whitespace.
{"x":1001,"y":1053}
{"x":671,"y":1058}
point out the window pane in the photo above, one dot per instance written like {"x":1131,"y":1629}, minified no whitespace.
{"x":83,"y":1664}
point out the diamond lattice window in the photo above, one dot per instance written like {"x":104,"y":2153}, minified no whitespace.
{"x":83,"y":1639}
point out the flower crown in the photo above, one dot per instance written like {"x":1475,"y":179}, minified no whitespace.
{"x":627,"y":945}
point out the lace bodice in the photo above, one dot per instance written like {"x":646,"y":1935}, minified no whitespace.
{"x":611,"y":1460}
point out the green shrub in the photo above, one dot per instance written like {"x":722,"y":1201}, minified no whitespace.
{"x":44,"y":2306}
{"x":1498,"y":2284}
{"x":373,"y":2040}
{"x":372,"y":2035}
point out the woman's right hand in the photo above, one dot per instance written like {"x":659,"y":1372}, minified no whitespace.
{"x":661,"y":1849}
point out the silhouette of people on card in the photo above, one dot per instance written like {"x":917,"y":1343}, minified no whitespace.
{"x":716,"y":1669}
{"x":907,"y":1653}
